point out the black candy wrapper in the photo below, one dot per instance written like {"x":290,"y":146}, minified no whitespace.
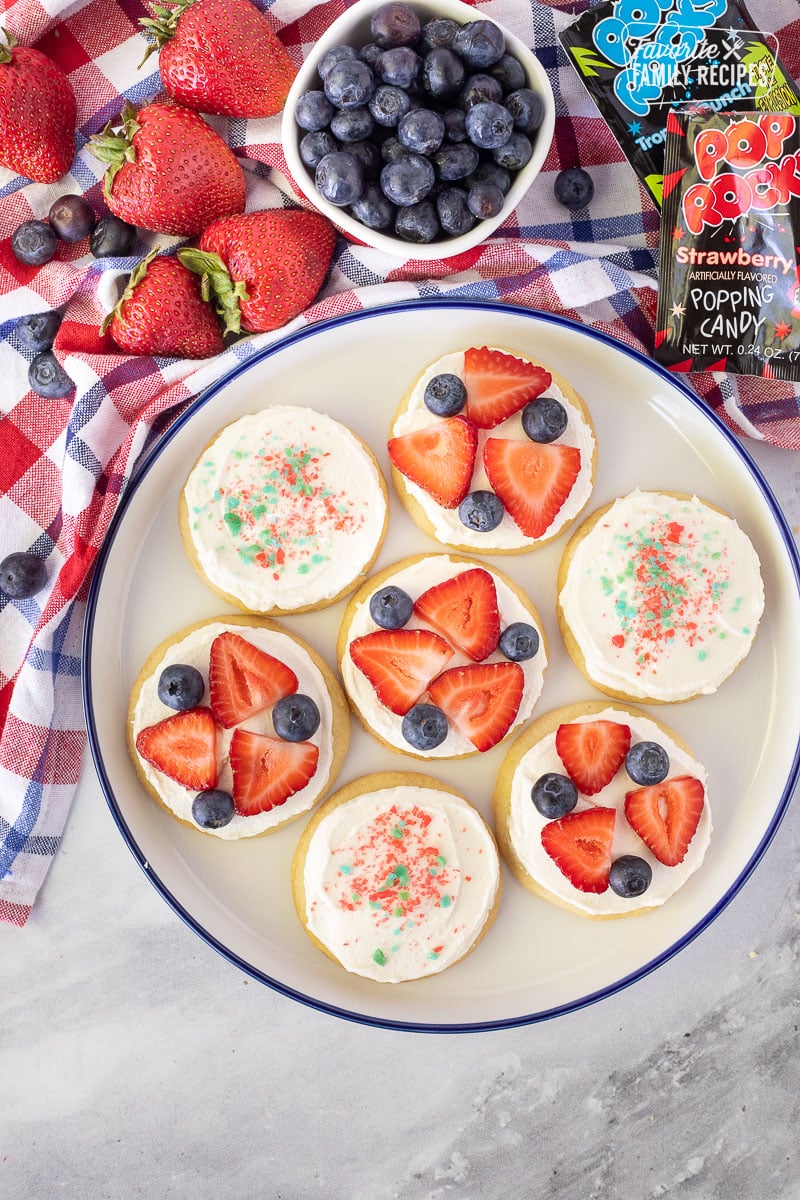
{"x":642,"y":59}
{"x":729,"y":275}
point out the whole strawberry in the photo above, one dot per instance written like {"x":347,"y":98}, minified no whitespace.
{"x":37,"y":114}
{"x":169,"y":171}
{"x":263,"y":268}
{"x":220,"y":56}
{"x":163,"y":312}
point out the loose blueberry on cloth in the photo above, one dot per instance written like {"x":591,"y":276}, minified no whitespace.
{"x":65,"y":461}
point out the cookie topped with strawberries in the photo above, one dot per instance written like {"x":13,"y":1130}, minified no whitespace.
{"x":602,"y":810}
{"x":492,"y":452}
{"x":441,"y":657}
{"x":236,"y":726}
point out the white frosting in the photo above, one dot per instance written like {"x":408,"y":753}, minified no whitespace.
{"x":446,"y":523}
{"x":526,"y":823}
{"x":194,"y":650}
{"x":285,"y":509}
{"x":399,"y":882}
{"x":663,"y":597}
{"x":416,"y":579}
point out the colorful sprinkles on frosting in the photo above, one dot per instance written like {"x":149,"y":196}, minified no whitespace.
{"x":273,"y":506}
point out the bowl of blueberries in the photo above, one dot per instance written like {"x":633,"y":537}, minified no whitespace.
{"x":416,"y":128}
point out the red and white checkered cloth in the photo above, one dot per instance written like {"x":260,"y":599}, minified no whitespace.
{"x":64,"y":463}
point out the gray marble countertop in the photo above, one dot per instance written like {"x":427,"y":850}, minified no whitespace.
{"x":134,"y":1061}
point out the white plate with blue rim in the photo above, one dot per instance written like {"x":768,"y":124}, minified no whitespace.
{"x":537,"y":960}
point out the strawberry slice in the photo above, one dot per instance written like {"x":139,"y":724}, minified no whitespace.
{"x":267,"y":771}
{"x":184,"y":747}
{"x":533,"y":479}
{"x":481,"y":701}
{"x":498,"y":385}
{"x":666,"y":815}
{"x":592,"y":752}
{"x":400,"y":663}
{"x":580,"y":846}
{"x":464,"y":610}
{"x":243,"y":680}
{"x":438,"y":458}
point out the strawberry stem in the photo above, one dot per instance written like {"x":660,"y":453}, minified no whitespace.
{"x":5,"y":50}
{"x":116,"y":148}
{"x":163,"y":25}
{"x":217,"y":286}
{"x":134,"y":279}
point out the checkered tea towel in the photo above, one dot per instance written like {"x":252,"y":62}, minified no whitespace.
{"x":65,"y":463}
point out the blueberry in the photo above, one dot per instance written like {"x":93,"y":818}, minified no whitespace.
{"x":489,"y":172}
{"x":417,"y":222}
{"x":392,"y":149}
{"x":112,"y":238}
{"x":369,"y":156}
{"x":554,"y":795}
{"x":407,"y":180}
{"x":373,"y":209}
{"x":480,"y":43}
{"x":456,"y":161}
{"x":480,"y":88}
{"x":437,"y":33}
{"x":484,"y":200}
{"x":481,"y":511}
{"x":544,"y":419}
{"x":22,"y":575}
{"x":34,"y":243}
{"x":333,"y":56}
{"x":213,"y":808}
{"x":388,"y":105}
{"x":314,"y":146}
{"x":313,"y":111}
{"x":37,"y":331}
{"x":519,"y":641}
{"x":510,"y":72}
{"x":391,"y":607}
{"x":630,"y":876}
{"x":398,"y":67}
{"x":573,"y":187}
{"x":180,"y":686}
{"x":295,"y":718}
{"x":340,"y":178}
{"x":454,"y":215}
{"x":421,"y":130}
{"x":442,"y":73}
{"x":71,"y":218}
{"x":514,"y":153}
{"x":489,"y":125}
{"x":445,"y":395}
{"x":349,"y":83}
{"x":395,"y":25}
{"x":48,"y":378}
{"x":424,"y":727}
{"x":352,"y":124}
{"x":455,"y":124}
{"x":370,"y":54}
{"x":647,"y":763}
{"x":527,"y":109}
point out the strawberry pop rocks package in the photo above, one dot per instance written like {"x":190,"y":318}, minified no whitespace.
{"x":729,"y":271}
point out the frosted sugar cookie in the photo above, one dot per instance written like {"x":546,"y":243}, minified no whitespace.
{"x":659,"y":597}
{"x":236,"y":726}
{"x":491,"y":452}
{"x":396,"y":877}
{"x":284,"y":511}
{"x":602,"y":810}
{"x":441,"y":656}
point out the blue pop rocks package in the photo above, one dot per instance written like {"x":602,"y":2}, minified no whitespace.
{"x":642,"y":59}
{"x":729,"y":270}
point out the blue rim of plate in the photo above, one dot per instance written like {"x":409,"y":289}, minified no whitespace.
{"x":140,"y":474}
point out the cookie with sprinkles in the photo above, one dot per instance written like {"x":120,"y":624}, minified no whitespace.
{"x":284,"y":511}
{"x":396,"y":877}
{"x":659,"y":597}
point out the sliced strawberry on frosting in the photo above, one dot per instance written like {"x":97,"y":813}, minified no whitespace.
{"x":438,"y":458}
{"x":400,"y":663}
{"x":267,"y":770}
{"x":533,"y":479}
{"x":464,"y":610}
{"x":482,"y":701}
{"x":592,"y":752}
{"x":499,"y":385}
{"x":580,"y":846}
{"x":244,"y":680}
{"x":184,"y":747}
{"x":666,"y":815}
